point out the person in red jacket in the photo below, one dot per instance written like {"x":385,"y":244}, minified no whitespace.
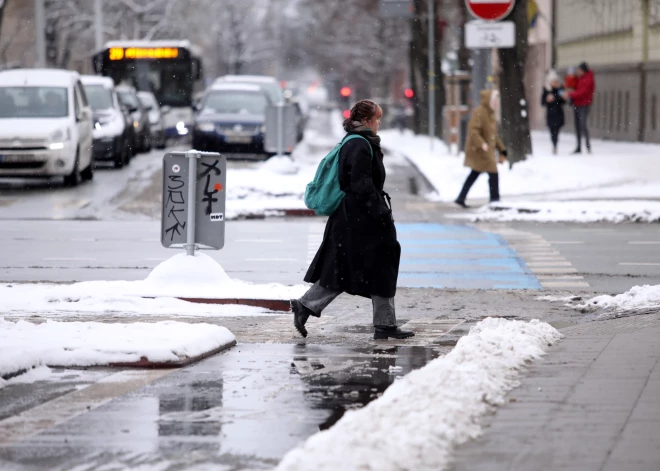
{"x":581,"y":98}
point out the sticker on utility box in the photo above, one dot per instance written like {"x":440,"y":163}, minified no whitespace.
{"x":217,"y":217}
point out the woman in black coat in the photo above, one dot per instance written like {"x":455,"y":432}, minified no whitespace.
{"x":554,"y":107}
{"x":360,"y":253}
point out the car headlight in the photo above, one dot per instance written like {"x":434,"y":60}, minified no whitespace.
{"x":206,"y":126}
{"x":58,"y":138}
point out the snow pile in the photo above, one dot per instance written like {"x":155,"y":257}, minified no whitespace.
{"x":420,"y":418}
{"x":614,"y":170}
{"x":573,"y":211}
{"x":181,"y":276}
{"x":637,"y":298}
{"x":24,"y":345}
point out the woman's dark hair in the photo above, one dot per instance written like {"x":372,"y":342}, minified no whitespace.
{"x":363,"y":110}
{"x":584,"y":67}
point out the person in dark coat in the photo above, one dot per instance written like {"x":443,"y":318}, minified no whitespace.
{"x":554,"y":103}
{"x":360,"y":253}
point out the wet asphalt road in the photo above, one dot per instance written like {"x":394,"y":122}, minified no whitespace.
{"x":243,"y":409}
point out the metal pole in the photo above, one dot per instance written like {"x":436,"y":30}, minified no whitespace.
{"x":98,"y":24}
{"x":431,"y":27}
{"x":40,"y":27}
{"x":192,"y":193}
{"x":280,"y":129}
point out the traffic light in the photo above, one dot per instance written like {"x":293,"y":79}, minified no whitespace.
{"x":345,"y":101}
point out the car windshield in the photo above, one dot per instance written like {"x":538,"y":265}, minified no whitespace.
{"x":274,"y":91}
{"x":128,"y":99}
{"x":99,"y":97}
{"x":34,"y":102}
{"x":147,"y":100}
{"x":238,"y":102}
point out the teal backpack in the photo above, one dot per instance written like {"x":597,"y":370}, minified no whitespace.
{"x":323,"y":194}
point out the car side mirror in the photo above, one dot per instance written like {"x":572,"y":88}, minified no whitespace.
{"x":165,"y":109}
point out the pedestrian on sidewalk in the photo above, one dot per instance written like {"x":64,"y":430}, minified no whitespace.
{"x":582,"y":97}
{"x":360,"y":253}
{"x":553,"y":101}
{"x":482,"y":139}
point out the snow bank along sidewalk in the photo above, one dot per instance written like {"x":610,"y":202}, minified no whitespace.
{"x":24,"y":345}
{"x":423,"y":416}
{"x":615,"y":170}
{"x":637,"y":299}
{"x":198,"y":278}
{"x":565,"y":211}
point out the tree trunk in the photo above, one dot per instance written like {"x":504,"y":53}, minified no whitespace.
{"x":515,"y":116}
{"x":2,"y":9}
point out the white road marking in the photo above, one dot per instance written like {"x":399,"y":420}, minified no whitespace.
{"x":260,"y":241}
{"x":68,"y":259}
{"x":156,"y":259}
{"x":553,"y":270}
{"x":564,"y":284}
{"x":549,"y":264}
{"x":566,"y":242}
{"x":560,"y":277}
{"x":644,"y":242}
{"x":641,"y":264}
{"x":556,"y":258}
{"x":83,"y":239}
{"x":149,"y":240}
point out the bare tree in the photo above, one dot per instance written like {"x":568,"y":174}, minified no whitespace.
{"x":515,"y":119}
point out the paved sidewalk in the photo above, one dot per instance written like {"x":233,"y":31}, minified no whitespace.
{"x":593,"y":403}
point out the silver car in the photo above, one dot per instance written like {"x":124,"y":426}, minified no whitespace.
{"x":150,"y":103}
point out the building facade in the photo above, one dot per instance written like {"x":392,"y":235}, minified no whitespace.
{"x":620,"y":40}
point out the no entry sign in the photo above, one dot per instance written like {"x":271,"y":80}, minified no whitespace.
{"x":491,"y":10}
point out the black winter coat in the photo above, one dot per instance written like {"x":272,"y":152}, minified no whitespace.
{"x":555,"y":110}
{"x":360,"y":253}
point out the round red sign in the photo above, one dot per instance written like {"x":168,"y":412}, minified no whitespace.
{"x":491,"y":10}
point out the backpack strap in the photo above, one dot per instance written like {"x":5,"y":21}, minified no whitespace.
{"x":354,"y":136}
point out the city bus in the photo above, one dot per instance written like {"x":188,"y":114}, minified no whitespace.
{"x":170,"y":69}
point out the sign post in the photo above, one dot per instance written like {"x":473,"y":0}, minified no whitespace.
{"x":194,"y":197}
{"x":281,"y":130}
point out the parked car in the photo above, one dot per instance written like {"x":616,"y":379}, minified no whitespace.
{"x":129,"y":100}
{"x":45,"y":125}
{"x":112,"y":134}
{"x":231,"y":119}
{"x":150,"y":103}
{"x":269,"y":84}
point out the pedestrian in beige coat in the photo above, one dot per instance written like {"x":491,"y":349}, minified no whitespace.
{"x":482,"y":139}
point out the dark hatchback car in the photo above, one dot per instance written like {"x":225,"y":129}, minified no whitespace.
{"x":231,"y":120}
{"x":130,"y":102}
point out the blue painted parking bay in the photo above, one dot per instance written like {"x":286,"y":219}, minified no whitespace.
{"x":462,"y":257}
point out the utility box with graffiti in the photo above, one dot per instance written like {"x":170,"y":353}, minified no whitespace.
{"x":194,"y":208}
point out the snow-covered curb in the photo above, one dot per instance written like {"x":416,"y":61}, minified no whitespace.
{"x":423,"y":416}
{"x":638,"y":298}
{"x":24,"y":345}
{"x":565,"y":211}
{"x":181,"y":276}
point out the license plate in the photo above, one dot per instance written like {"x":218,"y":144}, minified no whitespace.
{"x":16,"y":158}
{"x":239,"y":139}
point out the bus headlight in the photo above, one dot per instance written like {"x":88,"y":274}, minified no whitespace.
{"x":205,"y":126}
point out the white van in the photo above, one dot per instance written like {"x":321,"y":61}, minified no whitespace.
{"x":45,"y":125}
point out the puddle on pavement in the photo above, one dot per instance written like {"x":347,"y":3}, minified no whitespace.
{"x":244,"y":408}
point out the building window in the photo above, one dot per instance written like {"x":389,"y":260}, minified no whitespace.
{"x":626,"y":112}
{"x":612,"y":103}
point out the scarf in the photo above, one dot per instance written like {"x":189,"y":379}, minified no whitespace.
{"x":359,"y":128}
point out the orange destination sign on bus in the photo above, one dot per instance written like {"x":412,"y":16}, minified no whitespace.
{"x":120,"y":53}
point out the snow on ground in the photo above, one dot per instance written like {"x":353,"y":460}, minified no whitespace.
{"x":614,"y":170}
{"x":181,"y":276}
{"x":24,"y":345}
{"x":568,"y":211}
{"x":423,"y":416}
{"x":638,"y":298}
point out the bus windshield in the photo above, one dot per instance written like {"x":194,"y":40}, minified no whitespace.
{"x":169,"y":80}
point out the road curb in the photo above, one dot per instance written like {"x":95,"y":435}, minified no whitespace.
{"x":146,"y":363}
{"x":271,"y":304}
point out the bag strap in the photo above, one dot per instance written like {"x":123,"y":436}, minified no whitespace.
{"x":353,"y":136}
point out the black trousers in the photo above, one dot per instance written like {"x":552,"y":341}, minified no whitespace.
{"x":554,"y":135}
{"x":493,"y":183}
{"x":581,"y":117}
